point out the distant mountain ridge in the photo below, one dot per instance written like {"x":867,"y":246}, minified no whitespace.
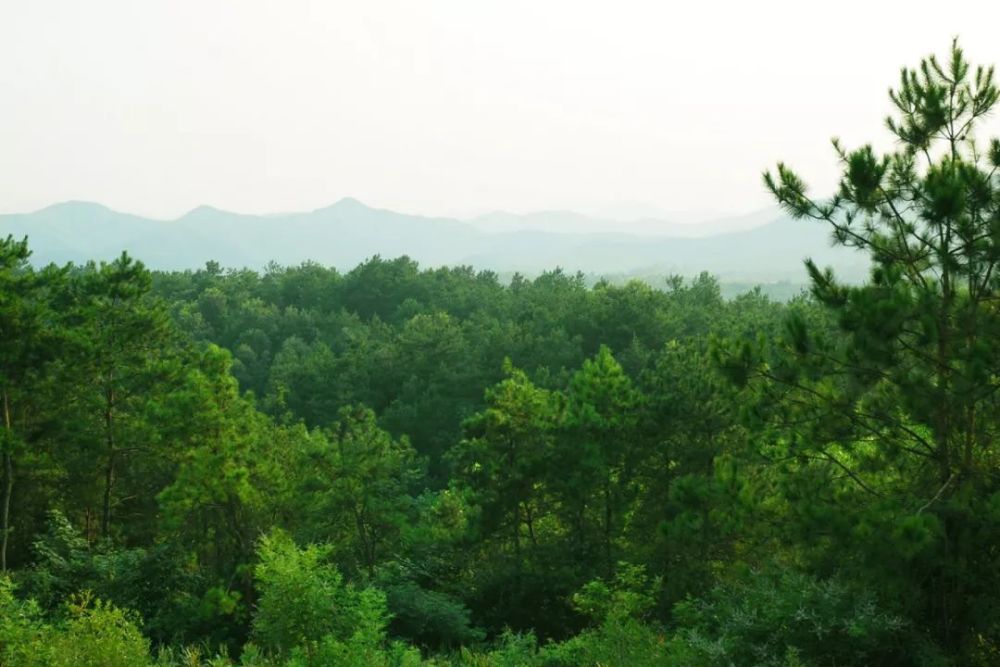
{"x":744,"y":248}
{"x":563,"y":221}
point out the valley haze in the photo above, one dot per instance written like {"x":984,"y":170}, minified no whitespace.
{"x":761,"y":247}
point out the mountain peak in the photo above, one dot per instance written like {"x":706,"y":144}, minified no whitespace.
{"x":204,"y":209}
{"x":76,"y":206}
{"x":206,"y":213}
{"x":347,"y":204}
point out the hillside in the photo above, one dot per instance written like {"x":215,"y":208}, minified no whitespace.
{"x":348,"y":232}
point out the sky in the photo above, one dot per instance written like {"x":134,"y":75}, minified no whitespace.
{"x":449,"y":107}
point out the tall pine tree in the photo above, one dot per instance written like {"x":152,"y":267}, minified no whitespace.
{"x":904,"y":401}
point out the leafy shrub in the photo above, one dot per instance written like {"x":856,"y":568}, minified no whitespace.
{"x":429,"y":618}
{"x":305,"y":606}
{"x":98,"y":633}
{"x":771,"y":618}
{"x":22,"y":632}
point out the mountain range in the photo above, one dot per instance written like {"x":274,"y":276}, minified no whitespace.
{"x":762,"y":247}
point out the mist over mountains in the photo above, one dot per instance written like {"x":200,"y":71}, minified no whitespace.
{"x":762,"y":247}
{"x":573,"y":222}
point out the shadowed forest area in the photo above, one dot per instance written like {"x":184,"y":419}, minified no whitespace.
{"x":397,"y":466}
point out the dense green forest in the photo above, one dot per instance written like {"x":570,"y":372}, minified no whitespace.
{"x":396,"y":466}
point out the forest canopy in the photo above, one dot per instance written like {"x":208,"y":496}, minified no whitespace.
{"x":405,"y":466}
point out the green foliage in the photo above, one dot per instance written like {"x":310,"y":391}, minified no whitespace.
{"x":23,"y":634}
{"x":358,"y":485}
{"x":305,"y":607}
{"x":93,"y":632}
{"x":902,"y":398}
{"x":512,"y":650}
{"x":429,"y":618}
{"x":621,"y":642}
{"x":540,"y":472}
{"x":97,"y":633}
{"x":630,"y":595}
{"x":32,"y":341}
{"x":762,"y":618}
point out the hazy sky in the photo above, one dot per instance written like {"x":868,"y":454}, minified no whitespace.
{"x":446,"y":106}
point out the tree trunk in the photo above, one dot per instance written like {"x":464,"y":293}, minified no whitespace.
{"x":109,"y":471}
{"x":943,"y":431}
{"x":516,"y":532}
{"x":530,"y":519}
{"x":8,"y":481}
{"x":607,"y":525}
{"x":109,"y":483}
{"x":517,"y":536}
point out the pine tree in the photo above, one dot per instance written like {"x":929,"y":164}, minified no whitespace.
{"x":122,"y":340}
{"x":28,"y":338}
{"x":904,"y":401}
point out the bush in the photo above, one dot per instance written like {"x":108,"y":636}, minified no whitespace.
{"x":429,"y":618}
{"x":305,"y":608}
{"x":99,"y":634}
{"x":779,"y":618}
{"x":23,"y":635}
